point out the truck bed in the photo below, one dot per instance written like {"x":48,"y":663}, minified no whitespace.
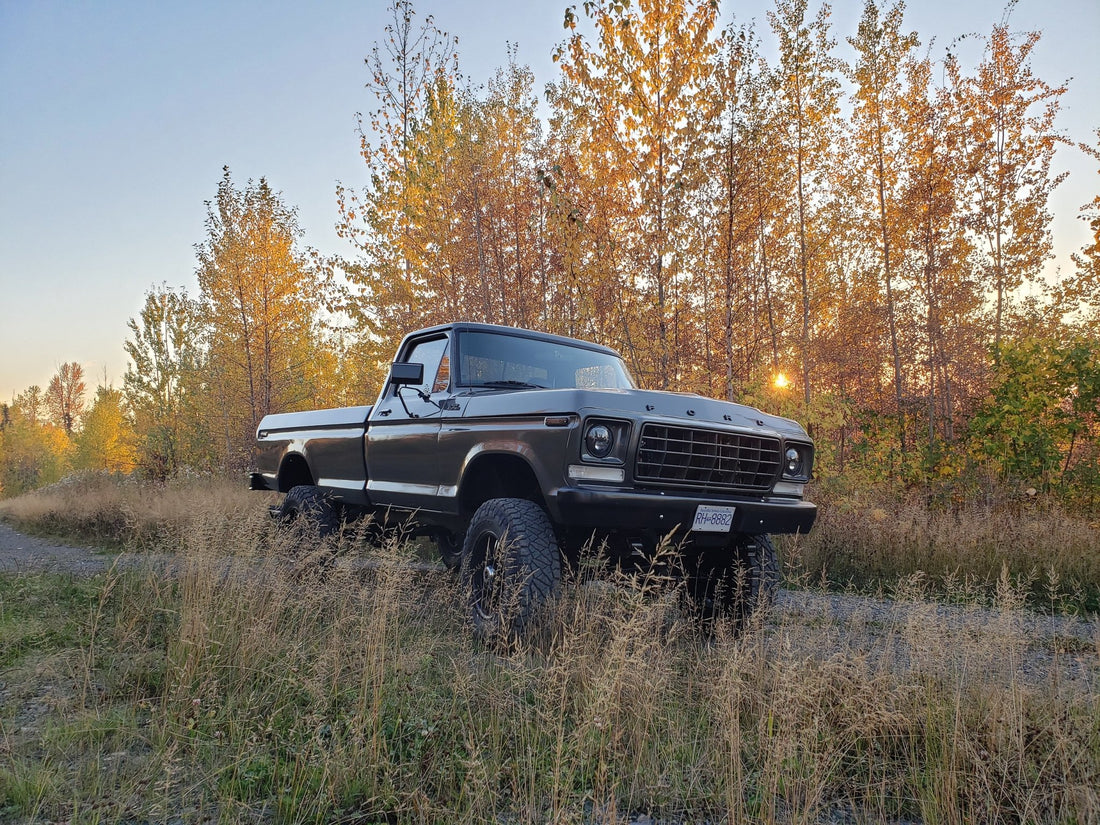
{"x":309,"y":420}
{"x":331,"y":441}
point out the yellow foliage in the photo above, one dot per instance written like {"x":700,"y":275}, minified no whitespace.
{"x":107,"y":441}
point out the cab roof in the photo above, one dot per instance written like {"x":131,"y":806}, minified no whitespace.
{"x":471,"y":326}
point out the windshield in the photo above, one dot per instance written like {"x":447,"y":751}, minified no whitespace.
{"x":491,"y":359}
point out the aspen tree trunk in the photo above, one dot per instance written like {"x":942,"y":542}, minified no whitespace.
{"x":728,"y":269}
{"x":246,"y":342}
{"x":661,"y":246}
{"x":766,"y":274}
{"x":803,"y":273}
{"x":886,"y":264}
{"x":930,"y":332}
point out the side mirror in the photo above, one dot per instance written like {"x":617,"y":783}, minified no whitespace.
{"x":404,"y":373}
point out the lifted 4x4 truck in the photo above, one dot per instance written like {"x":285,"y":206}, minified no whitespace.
{"x":515,"y":449}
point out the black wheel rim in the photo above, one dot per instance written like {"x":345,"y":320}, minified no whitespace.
{"x":486,"y":579}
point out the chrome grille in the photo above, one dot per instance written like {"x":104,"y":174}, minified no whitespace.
{"x":706,"y":459}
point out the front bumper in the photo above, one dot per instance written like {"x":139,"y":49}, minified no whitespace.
{"x":616,"y":509}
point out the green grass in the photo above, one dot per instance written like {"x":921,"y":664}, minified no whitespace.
{"x":42,"y":611}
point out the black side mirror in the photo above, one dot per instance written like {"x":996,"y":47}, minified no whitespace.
{"x":404,"y":373}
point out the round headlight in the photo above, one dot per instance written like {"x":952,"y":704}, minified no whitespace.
{"x":599,"y":440}
{"x":794,"y":461}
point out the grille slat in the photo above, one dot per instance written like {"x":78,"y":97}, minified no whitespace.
{"x":706,"y":459}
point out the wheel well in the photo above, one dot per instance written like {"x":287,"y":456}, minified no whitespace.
{"x":498,"y":476}
{"x":294,"y":471}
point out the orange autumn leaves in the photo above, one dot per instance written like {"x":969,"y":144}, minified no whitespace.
{"x":866,"y":221}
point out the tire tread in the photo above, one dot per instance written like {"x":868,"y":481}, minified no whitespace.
{"x":533,"y":558}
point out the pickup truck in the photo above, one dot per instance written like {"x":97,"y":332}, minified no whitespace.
{"x":514,"y":450}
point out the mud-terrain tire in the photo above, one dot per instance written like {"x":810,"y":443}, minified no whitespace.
{"x":511,"y":569}
{"x":735,"y":591}
{"x":308,"y":507}
{"x":449,"y":546}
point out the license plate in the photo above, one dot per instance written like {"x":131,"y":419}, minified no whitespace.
{"x":711,"y":519}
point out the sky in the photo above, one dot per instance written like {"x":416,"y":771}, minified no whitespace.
{"x":116,"y":119}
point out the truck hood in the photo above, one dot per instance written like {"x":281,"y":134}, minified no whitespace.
{"x":692,"y":408}
{"x":684,"y":408}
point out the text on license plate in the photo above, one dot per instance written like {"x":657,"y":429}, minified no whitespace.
{"x":712,"y":519}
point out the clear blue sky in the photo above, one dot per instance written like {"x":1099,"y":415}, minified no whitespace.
{"x":117,"y":117}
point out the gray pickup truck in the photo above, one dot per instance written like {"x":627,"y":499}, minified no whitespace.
{"x":514,"y":450}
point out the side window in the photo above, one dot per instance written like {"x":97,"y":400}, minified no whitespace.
{"x":443,"y":375}
{"x":432,"y":353}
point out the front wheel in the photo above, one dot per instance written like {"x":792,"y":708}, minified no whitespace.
{"x":449,"y":546}
{"x":511,"y":567}
{"x":735,"y":588}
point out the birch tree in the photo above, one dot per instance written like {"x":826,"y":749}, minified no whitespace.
{"x":65,"y":396}
{"x":1008,"y":147}
{"x":809,"y":95}
{"x":881,"y":50}
{"x":163,"y":382}
{"x":639,"y":96}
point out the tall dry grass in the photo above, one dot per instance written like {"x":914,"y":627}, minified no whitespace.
{"x":256,"y":685}
{"x":121,"y":511}
{"x":868,"y":537}
{"x":252,"y":683}
{"x":873,"y":537}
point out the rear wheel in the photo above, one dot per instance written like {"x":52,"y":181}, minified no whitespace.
{"x":511,"y":568}
{"x":308,"y":507}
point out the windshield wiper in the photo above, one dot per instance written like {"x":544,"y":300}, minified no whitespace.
{"x":510,"y":385}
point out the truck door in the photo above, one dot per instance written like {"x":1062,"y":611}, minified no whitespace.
{"x":402,"y":466}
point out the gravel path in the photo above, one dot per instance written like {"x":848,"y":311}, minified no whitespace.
{"x":840,"y":608}
{"x":1009,"y":646}
{"x":19,"y":553}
